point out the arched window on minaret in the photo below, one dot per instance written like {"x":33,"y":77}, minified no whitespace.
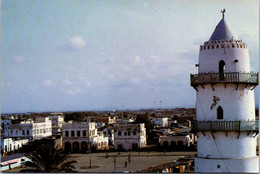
{"x":221,"y":70}
{"x":219,"y":113}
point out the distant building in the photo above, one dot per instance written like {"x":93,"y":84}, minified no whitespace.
{"x":160,"y":121}
{"x":79,"y":136}
{"x":102,"y":119}
{"x":57,"y":120}
{"x":177,"y":141}
{"x":6,"y":123}
{"x":172,"y":123}
{"x":129,"y":136}
{"x":109,"y":132}
{"x":9,"y":144}
{"x":32,"y":130}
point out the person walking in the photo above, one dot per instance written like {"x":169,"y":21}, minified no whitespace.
{"x":129,"y":158}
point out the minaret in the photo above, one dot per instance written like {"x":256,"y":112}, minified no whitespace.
{"x":225,"y":107}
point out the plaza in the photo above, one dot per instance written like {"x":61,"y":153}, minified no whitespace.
{"x":139,"y":162}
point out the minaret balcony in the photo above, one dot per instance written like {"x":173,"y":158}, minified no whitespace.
{"x":227,"y":77}
{"x":225,"y":126}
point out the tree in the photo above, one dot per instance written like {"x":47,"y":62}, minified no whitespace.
{"x":76,"y":116}
{"x":48,"y":158}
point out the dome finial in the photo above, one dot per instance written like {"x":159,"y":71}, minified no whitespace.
{"x":223,"y":11}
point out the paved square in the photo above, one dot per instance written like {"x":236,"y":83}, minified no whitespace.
{"x":138,"y":162}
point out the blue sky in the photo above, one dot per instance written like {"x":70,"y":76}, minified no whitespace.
{"x":66,"y":55}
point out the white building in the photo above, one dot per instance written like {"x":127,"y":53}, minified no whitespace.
{"x":160,"y":121}
{"x":77,"y":135}
{"x":175,"y":141}
{"x":32,"y":130}
{"x":9,"y":144}
{"x":102,"y":120}
{"x":109,"y":132}
{"x":57,"y":120}
{"x":225,"y":105}
{"x":129,"y":136}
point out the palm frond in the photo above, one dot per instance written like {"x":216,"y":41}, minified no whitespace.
{"x":48,"y":158}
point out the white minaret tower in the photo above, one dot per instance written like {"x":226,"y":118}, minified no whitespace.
{"x":225,"y":106}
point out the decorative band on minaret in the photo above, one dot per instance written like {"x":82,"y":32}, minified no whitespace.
{"x":225,"y":122}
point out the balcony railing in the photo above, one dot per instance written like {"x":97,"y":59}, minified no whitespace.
{"x":229,"y":77}
{"x":225,"y":126}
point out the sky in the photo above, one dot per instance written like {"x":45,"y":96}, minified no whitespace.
{"x":63,"y":55}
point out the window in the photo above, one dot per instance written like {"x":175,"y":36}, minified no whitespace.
{"x":72,"y":133}
{"x":84,"y":133}
{"x":66,"y":133}
{"x":218,"y":166}
{"x":27,"y":132}
{"x":219,"y":113}
{"x":125,"y":133}
{"x":222,"y":46}
{"x":128,"y":133}
{"x":78,"y":133}
{"x":208,"y":47}
{"x":221,"y":70}
{"x":217,"y":46}
{"x":227,"y":46}
{"x":134,"y":133}
{"x":119,"y":146}
{"x":212,"y":46}
{"x":23,"y":132}
{"x":233,"y":46}
{"x":119,"y":133}
{"x":16,"y":132}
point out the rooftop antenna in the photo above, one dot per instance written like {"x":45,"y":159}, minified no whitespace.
{"x":223,"y":13}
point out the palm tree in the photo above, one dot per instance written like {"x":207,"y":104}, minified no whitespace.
{"x":48,"y":158}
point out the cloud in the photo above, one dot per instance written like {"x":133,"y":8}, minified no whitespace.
{"x":19,"y":59}
{"x":76,"y":43}
{"x":48,"y":83}
{"x":67,"y":82}
{"x":33,"y":88}
{"x":74,"y":91}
